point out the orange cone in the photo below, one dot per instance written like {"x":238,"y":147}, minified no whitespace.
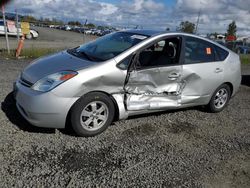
{"x":20,"y":46}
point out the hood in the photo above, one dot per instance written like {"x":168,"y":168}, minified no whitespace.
{"x":52,"y":64}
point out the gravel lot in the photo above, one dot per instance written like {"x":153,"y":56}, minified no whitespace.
{"x":50,"y":38}
{"x":184,"y":148}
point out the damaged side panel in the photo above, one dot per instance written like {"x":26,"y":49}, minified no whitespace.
{"x":200,"y":80}
{"x":153,"y":89}
{"x":150,"y":102}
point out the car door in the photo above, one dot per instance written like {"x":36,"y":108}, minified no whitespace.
{"x":153,"y":79}
{"x":202,"y":73}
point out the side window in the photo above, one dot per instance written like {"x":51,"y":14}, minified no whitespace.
{"x":162,"y":53}
{"x":198,"y":51}
{"x":125,"y":63}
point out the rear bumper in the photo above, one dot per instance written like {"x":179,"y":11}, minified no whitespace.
{"x":42,"y":109}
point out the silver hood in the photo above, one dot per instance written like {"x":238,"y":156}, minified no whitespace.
{"x":51,"y":64}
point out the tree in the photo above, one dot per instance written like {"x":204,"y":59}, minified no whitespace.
{"x":29,"y":19}
{"x":232,"y":29}
{"x":56,"y":22}
{"x":100,"y":27}
{"x":90,"y":25}
{"x":187,"y":27}
{"x":75,"y":23}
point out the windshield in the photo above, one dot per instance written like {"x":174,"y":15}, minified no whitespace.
{"x":108,"y":46}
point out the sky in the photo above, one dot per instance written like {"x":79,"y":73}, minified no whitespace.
{"x":215,"y":15}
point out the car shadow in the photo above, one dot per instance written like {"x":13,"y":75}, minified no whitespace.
{"x":8,"y":106}
{"x":170,"y":111}
{"x":245,"y":80}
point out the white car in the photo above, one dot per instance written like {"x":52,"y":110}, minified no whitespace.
{"x":88,"y":32}
{"x":33,"y":34}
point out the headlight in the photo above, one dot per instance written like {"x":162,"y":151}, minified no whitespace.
{"x":50,"y":82}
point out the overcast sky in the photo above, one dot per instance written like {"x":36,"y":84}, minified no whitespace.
{"x":150,"y":14}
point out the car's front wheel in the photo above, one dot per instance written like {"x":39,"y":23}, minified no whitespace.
{"x":219,"y":99}
{"x":92,"y":114}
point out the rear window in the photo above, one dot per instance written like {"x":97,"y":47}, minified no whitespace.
{"x":198,"y":51}
{"x":1,"y":23}
{"x":221,"y":53}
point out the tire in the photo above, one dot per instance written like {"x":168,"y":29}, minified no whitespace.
{"x":92,"y":114}
{"x":219,"y":99}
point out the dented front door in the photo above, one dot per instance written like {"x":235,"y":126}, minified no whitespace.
{"x":153,"y":88}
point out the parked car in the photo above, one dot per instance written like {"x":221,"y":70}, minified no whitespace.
{"x":32,"y":35}
{"x":88,"y":31}
{"x":124,"y":74}
{"x":80,"y":30}
{"x":2,"y":31}
{"x":66,"y":28}
{"x":243,"y":49}
{"x":103,"y":32}
{"x":239,"y":47}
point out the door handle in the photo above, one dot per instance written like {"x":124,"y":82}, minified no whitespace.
{"x":173,"y":76}
{"x":218,"y":70}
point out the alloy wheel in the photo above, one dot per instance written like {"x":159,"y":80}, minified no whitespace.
{"x":221,"y":98}
{"x":94,"y":115}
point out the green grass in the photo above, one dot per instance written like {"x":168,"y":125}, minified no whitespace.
{"x":30,"y":52}
{"x":245,"y":59}
{"x":35,"y":52}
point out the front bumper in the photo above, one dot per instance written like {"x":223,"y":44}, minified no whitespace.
{"x":42,"y":109}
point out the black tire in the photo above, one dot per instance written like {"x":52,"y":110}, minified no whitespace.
{"x":82,"y":105}
{"x":212,"y":107}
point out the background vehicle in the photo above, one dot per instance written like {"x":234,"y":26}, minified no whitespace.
{"x":243,"y":49}
{"x":33,"y":33}
{"x":124,"y":74}
{"x":239,"y":47}
{"x":88,"y":32}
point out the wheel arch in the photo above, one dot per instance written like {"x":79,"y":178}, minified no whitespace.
{"x":230,"y":86}
{"x":67,"y":123}
{"x":227,"y":83}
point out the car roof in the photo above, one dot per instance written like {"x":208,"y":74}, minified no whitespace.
{"x":144,"y":32}
{"x":151,"y":33}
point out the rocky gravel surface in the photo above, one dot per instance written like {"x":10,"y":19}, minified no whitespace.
{"x":183,"y":148}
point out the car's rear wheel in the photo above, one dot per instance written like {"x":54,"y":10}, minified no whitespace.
{"x":219,"y":99}
{"x":92,"y":114}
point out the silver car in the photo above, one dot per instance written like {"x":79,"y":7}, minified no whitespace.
{"x":123,"y":74}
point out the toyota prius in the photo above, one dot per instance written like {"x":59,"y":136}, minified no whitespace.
{"x":124,"y":74}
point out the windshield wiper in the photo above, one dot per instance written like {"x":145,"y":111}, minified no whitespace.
{"x":79,"y":54}
{"x":86,"y":55}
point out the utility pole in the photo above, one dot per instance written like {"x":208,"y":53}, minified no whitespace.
{"x":5,"y":30}
{"x":198,"y":20}
{"x":17,"y":27}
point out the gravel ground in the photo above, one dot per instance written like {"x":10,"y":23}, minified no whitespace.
{"x":50,"y":38}
{"x":184,"y":148}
